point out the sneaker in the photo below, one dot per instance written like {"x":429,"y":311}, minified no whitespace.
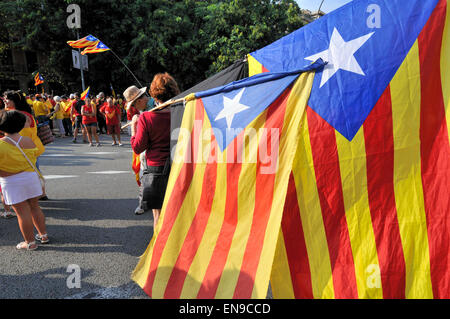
{"x":74,"y":141}
{"x":120,"y":144}
{"x":90,"y":144}
{"x":98,"y":145}
{"x":43,"y":239}
{"x":7,"y":215}
{"x":113,"y":144}
{"x":139,"y":211}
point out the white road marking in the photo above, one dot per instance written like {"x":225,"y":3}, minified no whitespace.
{"x":59,"y":176}
{"x":58,"y":155}
{"x":99,"y":153}
{"x":109,"y":172}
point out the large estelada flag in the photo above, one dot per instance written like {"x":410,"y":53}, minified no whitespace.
{"x":218,"y":229}
{"x":367,"y":213}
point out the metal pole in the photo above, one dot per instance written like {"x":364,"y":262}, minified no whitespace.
{"x":320,"y":6}
{"x":81,"y":65}
{"x":126,"y":67}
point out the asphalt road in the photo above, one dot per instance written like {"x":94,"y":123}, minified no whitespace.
{"x":90,"y":218}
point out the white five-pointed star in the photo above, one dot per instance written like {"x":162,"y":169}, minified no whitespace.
{"x":340,"y":55}
{"x":231,"y":107}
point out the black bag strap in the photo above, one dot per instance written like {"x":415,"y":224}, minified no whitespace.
{"x":167,"y":165}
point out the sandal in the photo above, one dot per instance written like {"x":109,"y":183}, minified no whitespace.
{"x":43,"y":239}
{"x":29,"y":246}
{"x":7,"y":215}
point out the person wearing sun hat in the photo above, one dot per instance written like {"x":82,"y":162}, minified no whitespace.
{"x":150,"y":132}
{"x":136,"y":97}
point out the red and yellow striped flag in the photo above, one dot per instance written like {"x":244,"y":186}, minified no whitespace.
{"x":38,"y":79}
{"x":87,"y":41}
{"x":85,"y":94}
{"x":97,"y":47}
{"x":136,"y":167}
{"x":371,"y":215}
{"x":220,"y":219}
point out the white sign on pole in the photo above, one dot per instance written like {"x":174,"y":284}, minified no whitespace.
{"x":78,"y":59}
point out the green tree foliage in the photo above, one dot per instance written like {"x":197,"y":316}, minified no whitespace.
{"x":189,"y":39}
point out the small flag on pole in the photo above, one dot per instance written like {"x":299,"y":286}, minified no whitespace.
{"x":85,"y":94}
{"x":38,"y":79}
{"x":112,"y":90}
{"x":97,"y":48}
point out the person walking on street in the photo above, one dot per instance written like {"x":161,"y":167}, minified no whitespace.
{"x":89,"y":119}
{"x":59,"y":115}
{"x":112,"y":115}
{"x":75,"y":112}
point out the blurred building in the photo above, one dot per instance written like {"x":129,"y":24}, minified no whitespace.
{"x":309,"y":16}
{"x":17,"y":67}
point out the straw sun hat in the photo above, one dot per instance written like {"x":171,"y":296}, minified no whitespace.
{"x":132,"y":94}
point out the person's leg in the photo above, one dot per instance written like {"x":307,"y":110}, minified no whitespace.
{"x":84,"y":132}
{"x":7,"y":213}
{"x":109,"y":131}
{"x":88,"y":133}
{"x":37,"y":216}
{"x":75,"y":131}
{"x":156,"y":213}
{"x":93,"y":129}
{"x":118,"y":134}
{"x":24,"y":217}
{"x":66,"y":127}
{"x":61,"y":127}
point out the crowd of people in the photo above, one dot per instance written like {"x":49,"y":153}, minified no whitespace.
{"x":21,"y":115}
{"x":69,"y":115}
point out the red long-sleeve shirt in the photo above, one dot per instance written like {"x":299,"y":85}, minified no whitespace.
{"x":153,"y":135}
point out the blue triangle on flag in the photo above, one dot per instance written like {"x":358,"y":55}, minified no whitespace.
{"x":364,"y":43}
{"x":232,"y":107}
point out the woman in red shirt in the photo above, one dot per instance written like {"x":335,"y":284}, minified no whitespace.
{"x":150,"y":132}
{"x":111,"y":112}
{"x":89,"y":120}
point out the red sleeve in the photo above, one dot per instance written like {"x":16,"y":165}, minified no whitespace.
{"x":141,"y":142}
{"x":30,"y":117}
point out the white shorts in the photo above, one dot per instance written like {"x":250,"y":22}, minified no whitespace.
{"x":20,"y":187}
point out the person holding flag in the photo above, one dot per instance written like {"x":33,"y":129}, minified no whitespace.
{"x":150,"y":132}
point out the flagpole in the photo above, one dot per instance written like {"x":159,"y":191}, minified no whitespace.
{"x":126,"y":67}
{"x":81,"y":65}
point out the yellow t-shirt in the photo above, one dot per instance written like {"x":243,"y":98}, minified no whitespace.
{"x":49,"y":106}
{"x":31,"y":132}
{"x":40,"y":108}
{"x":66,"y":108}
{"x":59,"y":115}
{"x":13,"y":161}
